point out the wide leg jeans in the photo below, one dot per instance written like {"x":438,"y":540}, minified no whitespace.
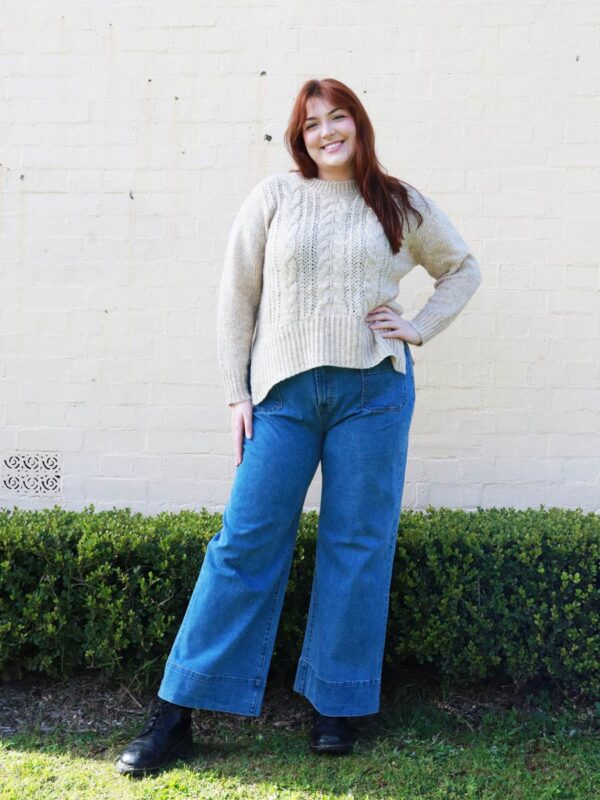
{"x":355,"y":422}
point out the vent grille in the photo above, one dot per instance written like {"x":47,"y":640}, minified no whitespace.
{"x":31,"y":474}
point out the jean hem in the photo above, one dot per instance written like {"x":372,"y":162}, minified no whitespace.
{"x":338,"y":698}
{"x":235,"y":695}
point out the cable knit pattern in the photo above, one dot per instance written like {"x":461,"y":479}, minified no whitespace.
{"x":306,"y":260}
{"x":286,"y":266}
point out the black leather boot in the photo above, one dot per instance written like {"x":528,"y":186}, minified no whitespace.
{"x":166,"y":735}
{"x":330,"y":734}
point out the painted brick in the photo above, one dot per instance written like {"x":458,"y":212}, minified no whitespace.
{"x":107,"y":348}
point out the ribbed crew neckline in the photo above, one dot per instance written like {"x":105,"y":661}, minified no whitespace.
{"x":324,"y":186}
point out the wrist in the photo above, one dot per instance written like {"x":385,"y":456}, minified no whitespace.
{"x":419,"y":341}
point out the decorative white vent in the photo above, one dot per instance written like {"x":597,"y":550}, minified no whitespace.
{"x":30,"y":474}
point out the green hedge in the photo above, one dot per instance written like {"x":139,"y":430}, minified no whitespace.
{"x":474,"y":594}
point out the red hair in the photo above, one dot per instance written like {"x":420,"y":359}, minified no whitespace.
{"x":386,"y":195}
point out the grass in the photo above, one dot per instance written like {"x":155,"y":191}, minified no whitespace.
{"x":427,"y":743}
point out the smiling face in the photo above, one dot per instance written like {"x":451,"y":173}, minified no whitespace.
{"x":329,"y":125}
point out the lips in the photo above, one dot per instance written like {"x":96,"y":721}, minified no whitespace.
{"x":330,"y":145}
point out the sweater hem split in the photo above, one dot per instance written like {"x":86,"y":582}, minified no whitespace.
{"x":338,"y":341}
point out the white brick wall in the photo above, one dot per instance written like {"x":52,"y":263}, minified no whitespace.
{"x":131,"y":133}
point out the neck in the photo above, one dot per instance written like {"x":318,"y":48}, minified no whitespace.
{"x":339,"y":176}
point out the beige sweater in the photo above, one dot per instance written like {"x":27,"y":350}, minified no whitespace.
{"x":305,"y":261}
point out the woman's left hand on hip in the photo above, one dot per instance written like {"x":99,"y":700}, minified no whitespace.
{"x":391,"y":325}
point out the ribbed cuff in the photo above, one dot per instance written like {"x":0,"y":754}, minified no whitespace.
{"x":236,"y":386}
{"x":427,"y":324}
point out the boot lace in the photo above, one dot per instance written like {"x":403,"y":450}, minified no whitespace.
{"x":156,"y":715}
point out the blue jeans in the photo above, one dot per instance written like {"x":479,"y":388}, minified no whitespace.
{"x":356,"y":423}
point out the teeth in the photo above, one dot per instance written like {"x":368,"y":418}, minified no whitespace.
{"x":332,"y":146}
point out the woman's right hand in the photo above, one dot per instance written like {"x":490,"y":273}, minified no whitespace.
{"x":241,"y":423}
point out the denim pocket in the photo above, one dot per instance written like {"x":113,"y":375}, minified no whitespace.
{"x":272,"y":402}
{"x":384,"y":389}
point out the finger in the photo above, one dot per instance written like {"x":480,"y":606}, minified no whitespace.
{"x":238,"y":450}
{"x":237,"y":442}
{"x":373,"y":318}
{"x":375,"y":326}
{"x":380,"y":314}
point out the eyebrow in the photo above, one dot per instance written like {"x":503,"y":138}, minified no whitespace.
{"x":329,"y":112}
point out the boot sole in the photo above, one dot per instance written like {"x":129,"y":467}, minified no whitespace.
{"x":184,"y":749}
{"x":339,"y":749}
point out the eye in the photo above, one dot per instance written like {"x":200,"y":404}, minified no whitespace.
{"x":337,"y":116}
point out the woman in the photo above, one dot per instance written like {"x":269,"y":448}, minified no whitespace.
{"x":317,"y":368}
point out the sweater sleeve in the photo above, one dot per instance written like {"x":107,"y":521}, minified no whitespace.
{"x":240,"y":291}
{"x":442,"y":251}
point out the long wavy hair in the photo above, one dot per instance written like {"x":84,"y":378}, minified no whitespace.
{"x":386,"y":195}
